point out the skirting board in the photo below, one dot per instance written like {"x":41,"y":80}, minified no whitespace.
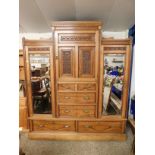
{"x":76,"y":136}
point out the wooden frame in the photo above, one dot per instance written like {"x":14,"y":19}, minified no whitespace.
{"x":116,"y":43}
{"x":36,"y":49}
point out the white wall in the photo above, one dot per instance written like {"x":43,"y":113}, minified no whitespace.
{"x":115,"y":35}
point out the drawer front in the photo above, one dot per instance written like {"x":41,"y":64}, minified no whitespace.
{"x":67,"y":111}
{"x":21,"y":73}
{"x":76,"y":98}
{"x":77,"y":111}
{"x":86,"y":111}
{"x":86,"y":87}
{"x":100,"y":126}
{"x":21,"y":61}
{"x":66,"y":87}
{"x":54,"y":125}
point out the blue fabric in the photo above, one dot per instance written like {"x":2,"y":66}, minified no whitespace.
{"x":114,"y":73}
{"x":117,"y":92}
{"x":133,"y":108}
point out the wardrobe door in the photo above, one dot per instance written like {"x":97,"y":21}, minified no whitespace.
{"x":40,"y":77}
{"x":114,"y":77}
{"x":86,"y":62}
{"x":66,"y":62}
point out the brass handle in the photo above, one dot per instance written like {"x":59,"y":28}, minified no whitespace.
{"x":66,"y":126}
{"x":88,"y":126}
{"x":41,"y":126}
{"x":86,"y":97}
{"x":67,"y":111}
{"x":66,"y":97}
{"x":86,"y":111}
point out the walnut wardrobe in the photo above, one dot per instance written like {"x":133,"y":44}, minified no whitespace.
{"x":77,"y":83}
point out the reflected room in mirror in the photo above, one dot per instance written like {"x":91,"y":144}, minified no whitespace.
{"x":40,"y":83}
{"x":113,"y":83}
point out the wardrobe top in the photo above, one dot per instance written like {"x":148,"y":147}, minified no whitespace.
{"x":76,"y":23}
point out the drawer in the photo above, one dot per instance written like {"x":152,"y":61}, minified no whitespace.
{"x":77,"y":111}
{"x":86,"y":111}
{"x":21,"y":73}
{"x":100,"y":126}
{"x":53,"y":125}
{"x":86,"y":87}
{"x":76,"y":98}
{"x":67,"y":111}
{"x":21,"y":61}
{"x":66,"y":87}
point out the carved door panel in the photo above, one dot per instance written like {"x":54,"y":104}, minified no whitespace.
{"x":86,"y":62}
{"x":66,"y":62}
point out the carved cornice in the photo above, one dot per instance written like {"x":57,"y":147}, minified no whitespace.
{"x":76,"y":38}
{"x":39,"y":49}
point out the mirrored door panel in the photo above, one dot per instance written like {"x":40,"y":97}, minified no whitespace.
{"x":113,"y":83}
{"x":40,"y":83}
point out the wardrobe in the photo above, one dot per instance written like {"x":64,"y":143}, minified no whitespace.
{"x":77,"y":83}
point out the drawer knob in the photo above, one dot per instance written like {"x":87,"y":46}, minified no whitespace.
{"x":66,"y":126}
{"x":67,"y":111}
{"x":67,"y":97}
{"x":41,"y":126}
{"x":86,"y":97}
{"x":88,"y":126}
{"x":86,"y":110}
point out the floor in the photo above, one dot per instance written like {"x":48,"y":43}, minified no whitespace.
{"x":35,"y":147}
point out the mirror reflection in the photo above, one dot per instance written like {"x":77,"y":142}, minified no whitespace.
{"x":113,"y":83}
{"x":40,"y":82}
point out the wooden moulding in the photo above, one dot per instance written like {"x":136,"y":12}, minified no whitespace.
{"x":116,"y":41}
{"x":50,"y":117}
{"x":76,"y":136}
{"x":76,"y":25}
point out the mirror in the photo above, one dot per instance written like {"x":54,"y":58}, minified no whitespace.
{"x":40,"y":83}
{"x":113,"y":83}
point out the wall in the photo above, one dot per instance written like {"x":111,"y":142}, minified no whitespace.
{"x":115,"y":35}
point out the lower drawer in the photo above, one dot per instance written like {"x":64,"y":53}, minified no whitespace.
{"x":53,"y":125}
{"x":77,"y":111}
{"x":99,"y":126}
